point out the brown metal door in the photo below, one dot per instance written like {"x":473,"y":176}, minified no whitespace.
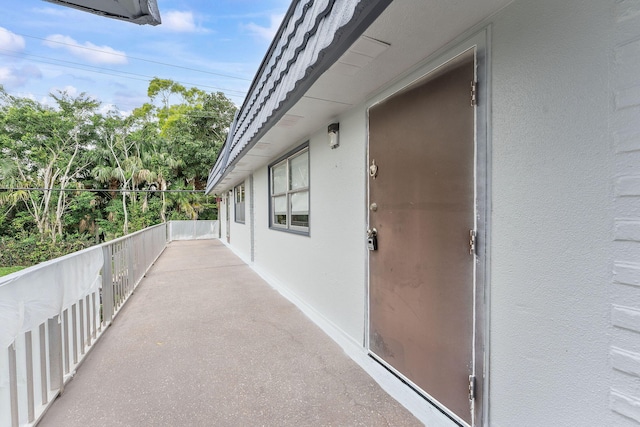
{"x":422,"y":199}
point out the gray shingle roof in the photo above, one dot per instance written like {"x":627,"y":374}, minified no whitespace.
{"x":313,"y":35}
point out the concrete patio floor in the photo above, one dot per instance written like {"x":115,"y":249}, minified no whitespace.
{"x":204,"y":341}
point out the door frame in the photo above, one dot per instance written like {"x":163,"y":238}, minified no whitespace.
{"x":480,"y":43}
{"x":229,"y":198}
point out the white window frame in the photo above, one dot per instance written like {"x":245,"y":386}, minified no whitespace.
{"x":289,"y":192}
{"x":239,"y":198}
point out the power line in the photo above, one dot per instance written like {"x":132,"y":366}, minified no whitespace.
{"x":84,"y":67}
{"x":201,"y":114}
{"x":127,"y":56}
{"x":97,"y":190}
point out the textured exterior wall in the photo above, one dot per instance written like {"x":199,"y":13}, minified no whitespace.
{"x":564,"y":338}
{"x":222,"y":217}
{"x":551,"y":224}
{"x":326,"y":269}
{"x":241,"y":233}
{"x":624,"y":397}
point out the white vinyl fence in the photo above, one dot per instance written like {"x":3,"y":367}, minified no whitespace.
{"x":193,"y":230}
{"x":52,"y":313}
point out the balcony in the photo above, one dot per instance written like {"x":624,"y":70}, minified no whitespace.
{"x":203,"y":340}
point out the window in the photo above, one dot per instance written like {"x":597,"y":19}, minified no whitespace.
{"x":239,"y":203}
{"x":289,"y":189}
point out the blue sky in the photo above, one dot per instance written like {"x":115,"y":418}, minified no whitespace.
{"x":215,"y":45}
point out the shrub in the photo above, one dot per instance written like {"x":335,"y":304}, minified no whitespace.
{"x":27,"y":249}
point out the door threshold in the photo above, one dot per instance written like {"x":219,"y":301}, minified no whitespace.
{"x":421,"y":393}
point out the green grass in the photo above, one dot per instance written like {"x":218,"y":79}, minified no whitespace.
{"x":8,"y":270}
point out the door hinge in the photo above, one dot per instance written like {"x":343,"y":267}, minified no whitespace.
{"x":474,"y":90}
{"x":472,"y":387}
{"x":472,"y":242}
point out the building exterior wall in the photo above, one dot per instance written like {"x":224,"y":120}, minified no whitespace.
{"x":553,"y":167}
{"x":222,"y":217}
{"x":326,"y":268}
{"x":241,"y":233}
{"x":624,"y":396}
{"x":551,"y":224}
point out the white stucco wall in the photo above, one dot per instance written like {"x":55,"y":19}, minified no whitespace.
{"x":326,"y":269}
{"x":241,"y":233}
{"x":222,"y":217}
{"x":552,"y":174}
{"x":551,"y":224}
{"x":624,"y":397}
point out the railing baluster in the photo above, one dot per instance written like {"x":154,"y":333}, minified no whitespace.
{"x":131,"y":253}
{"x":118,"y":275}
{"x":43,"y":365}
{"x":28,"y":349}
{"x":81,"y":325}
{"x":55,"y":354}
{"x":121,"y":294}
{"x":94,"y":323}
{"x":65,"y":325}
{"x":88,"y":305}
{"x":13,"y":385}
{"x":107,"y":286}
{"x":120,"y":249}
{"x":74,"y":333}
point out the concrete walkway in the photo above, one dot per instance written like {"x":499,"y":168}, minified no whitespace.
{"x":204,"y":341}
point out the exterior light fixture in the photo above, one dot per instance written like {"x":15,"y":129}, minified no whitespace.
{"x":332,"y":130}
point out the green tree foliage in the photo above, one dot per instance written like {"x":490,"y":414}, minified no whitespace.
{"x":168,"y":143}
{"x":44,"y":147}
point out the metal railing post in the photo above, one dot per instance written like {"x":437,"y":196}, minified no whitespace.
{"x":107,"y":286}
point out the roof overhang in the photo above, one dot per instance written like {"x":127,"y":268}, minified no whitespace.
{"x":296,"y":91}
{"x":137,"y":11}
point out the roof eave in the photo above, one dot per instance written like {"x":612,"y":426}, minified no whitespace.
{"x":365,"y":12}
{"x":147,"y":12}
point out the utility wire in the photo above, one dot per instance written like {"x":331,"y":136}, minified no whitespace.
{"x":97,"y":190}
{"x":127,"y":56}
{"x":199,"y":114}
{"x":84,"y":67}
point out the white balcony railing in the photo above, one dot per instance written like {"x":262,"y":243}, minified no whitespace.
{"x":52,"y":314}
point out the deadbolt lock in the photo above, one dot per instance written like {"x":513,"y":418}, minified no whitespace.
{"x":373,"y":207}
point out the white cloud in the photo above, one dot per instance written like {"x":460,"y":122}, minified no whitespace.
{"x":10,"y":41}
{"x":106,"y":108}
{"x":179,"y":21}
{"x":72,"y":91}
{"x":87,"y":51}
{"x":266,"y":33}
{"x":16,"y":77}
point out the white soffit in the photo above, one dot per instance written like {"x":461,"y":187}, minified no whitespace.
{"x":405,"y":34}
{"x":359,"y":55}
{"x":289,"y":120}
